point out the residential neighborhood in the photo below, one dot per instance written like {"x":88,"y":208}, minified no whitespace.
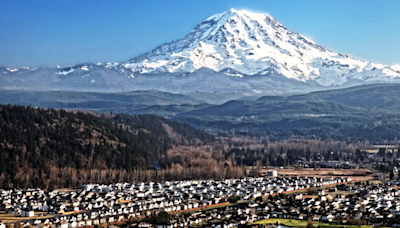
{"x":96,"y":204}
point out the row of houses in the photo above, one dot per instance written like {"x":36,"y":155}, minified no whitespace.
{"x":366,"y":204}
{"x":98,"y":204}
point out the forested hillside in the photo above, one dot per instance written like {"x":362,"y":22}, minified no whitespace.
{"x":361,"y":113}
{"x":41,"y":147}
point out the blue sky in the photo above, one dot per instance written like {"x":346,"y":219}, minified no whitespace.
{"x":44,"y":33}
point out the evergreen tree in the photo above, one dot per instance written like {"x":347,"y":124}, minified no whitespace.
{"x":2,"y":160}
{"x":308,"y":154}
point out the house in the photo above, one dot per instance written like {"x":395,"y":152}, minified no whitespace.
{"x":144,"y":224}
{"x":88,"y":222}
{"x":302,"y":216}
{"x":27,"y":213}
{"x":328,"y":218}
{"x":14,"y":211}
{"x":81,"y":223}
{"x":316,"y":217}
{"x":62,"y":225}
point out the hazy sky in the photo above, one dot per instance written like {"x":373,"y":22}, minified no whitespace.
{"x":44,"y":33}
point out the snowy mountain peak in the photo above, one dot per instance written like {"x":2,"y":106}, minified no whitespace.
{"x":256,"y":43}
{"x":396,"y":68}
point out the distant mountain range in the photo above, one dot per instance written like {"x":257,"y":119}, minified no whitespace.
{"x":368,"y":112}
{"x":236,"y":51}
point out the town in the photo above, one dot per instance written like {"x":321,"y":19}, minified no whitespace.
{"x":251,"y":201}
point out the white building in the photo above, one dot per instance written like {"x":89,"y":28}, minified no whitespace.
{"x":272,"y":173}
{"x":27,"y":213}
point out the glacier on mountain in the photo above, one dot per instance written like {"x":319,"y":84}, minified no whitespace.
{"x":253,"y":43}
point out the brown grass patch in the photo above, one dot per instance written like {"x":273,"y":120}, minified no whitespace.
{"x":354,"y":174}
{"x":9,"y":218}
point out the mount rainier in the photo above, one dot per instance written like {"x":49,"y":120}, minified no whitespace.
{"x":235,"y":51}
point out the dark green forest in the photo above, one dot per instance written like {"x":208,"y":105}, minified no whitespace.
{"x":38,"y":146}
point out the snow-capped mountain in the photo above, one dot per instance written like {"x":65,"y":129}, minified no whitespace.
{"x":233,"y":52}
{"x":253,"y":43}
